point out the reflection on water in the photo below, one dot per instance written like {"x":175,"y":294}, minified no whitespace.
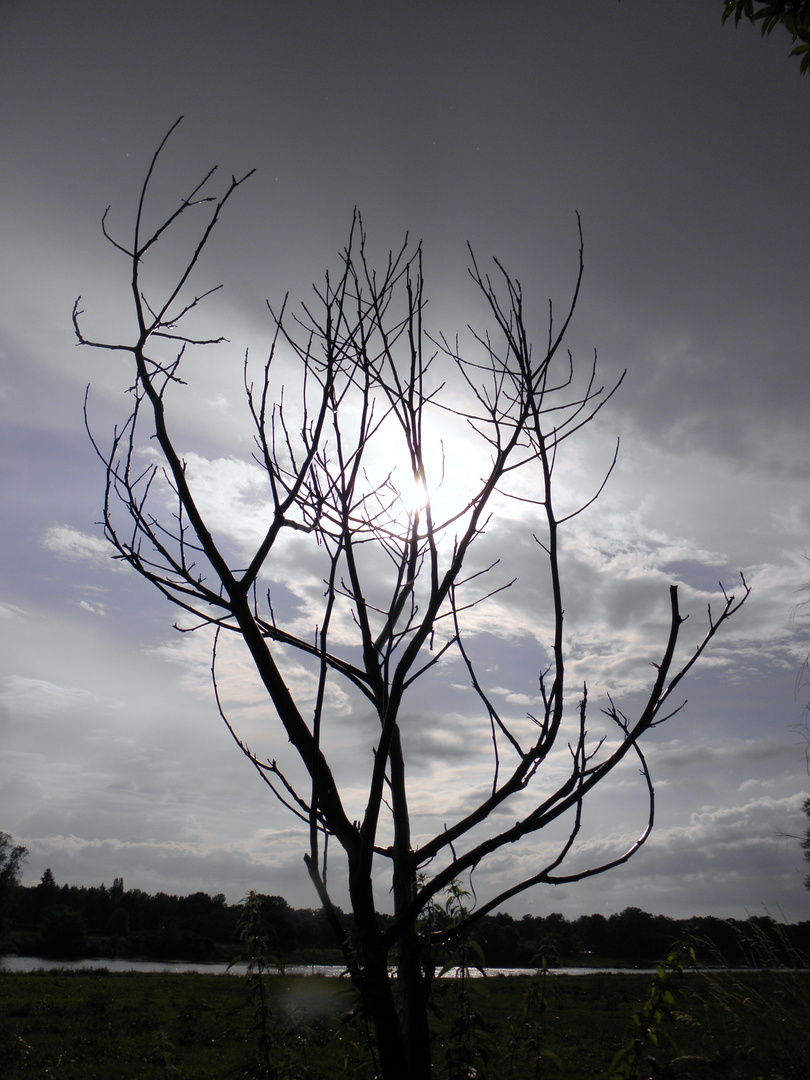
{"x":35,"y":963}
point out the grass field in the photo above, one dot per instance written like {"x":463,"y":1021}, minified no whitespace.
{"x":102,"y":1026}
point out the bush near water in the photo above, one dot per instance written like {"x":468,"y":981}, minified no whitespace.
{"x":72,"y":922}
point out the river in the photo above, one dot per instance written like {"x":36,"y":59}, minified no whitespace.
{"x":36,"y":963}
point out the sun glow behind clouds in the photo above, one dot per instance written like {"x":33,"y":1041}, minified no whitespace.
{"x":412,"y":490}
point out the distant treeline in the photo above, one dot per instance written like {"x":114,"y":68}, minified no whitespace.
{"x":71,"y":922}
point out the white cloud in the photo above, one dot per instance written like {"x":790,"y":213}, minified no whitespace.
{"x":10,"y":611}
{"x":72,"y":543}
{"x":233,"y":495}
{"x":93,"y":609}
{"x":37,"y":698}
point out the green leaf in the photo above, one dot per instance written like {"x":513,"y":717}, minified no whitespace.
{"x":622,"y":1054}
{"x":555,"y":1059}
{"x":479,"y":952}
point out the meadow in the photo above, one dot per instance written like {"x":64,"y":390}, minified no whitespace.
{"x":95,"y":1025}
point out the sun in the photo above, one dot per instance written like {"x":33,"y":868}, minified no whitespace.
{"x":445,"y":482}
{"x":412,"y":491}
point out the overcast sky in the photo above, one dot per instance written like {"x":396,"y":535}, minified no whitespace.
{"x":683,"y":146}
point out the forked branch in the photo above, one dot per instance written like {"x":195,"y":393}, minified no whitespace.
{"x":390,"y":593}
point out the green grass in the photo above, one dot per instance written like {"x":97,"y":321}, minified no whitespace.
{"x":95,"y":1026}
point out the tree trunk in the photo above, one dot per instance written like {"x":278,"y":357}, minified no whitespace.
{"x":403,"y":1038}
{"x":414,"y":997}
{"x":378,"y":1001}
{"x":401,"y":1057}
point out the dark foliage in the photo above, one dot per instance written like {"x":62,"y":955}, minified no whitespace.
{"x":794,"y":15}
{"x":78,"y":921}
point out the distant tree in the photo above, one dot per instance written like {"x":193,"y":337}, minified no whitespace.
{"x":118,"y":923}
{"x":64,"y":935}
{"x":280,"y":923}
{"x":12,"y":857}
{"x":636,"y":935}
{"x":794,"y":15}
{"x":806,"y":841}
{"x":40,"y":899}
{"x":594,"y":933}
{"x":553,"y":937}
{"x":352,"y":474}
{"x":47,"y":883}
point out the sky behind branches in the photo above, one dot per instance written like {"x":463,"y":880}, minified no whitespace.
{"x":681,"y":144}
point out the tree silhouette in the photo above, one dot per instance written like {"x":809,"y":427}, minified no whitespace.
{"x":352,"y":479}
{"x":12,"y":856}
{"x":805,"y":841}
{"x":794,"y":15}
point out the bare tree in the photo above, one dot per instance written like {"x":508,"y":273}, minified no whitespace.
{"x":366,"y":369}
